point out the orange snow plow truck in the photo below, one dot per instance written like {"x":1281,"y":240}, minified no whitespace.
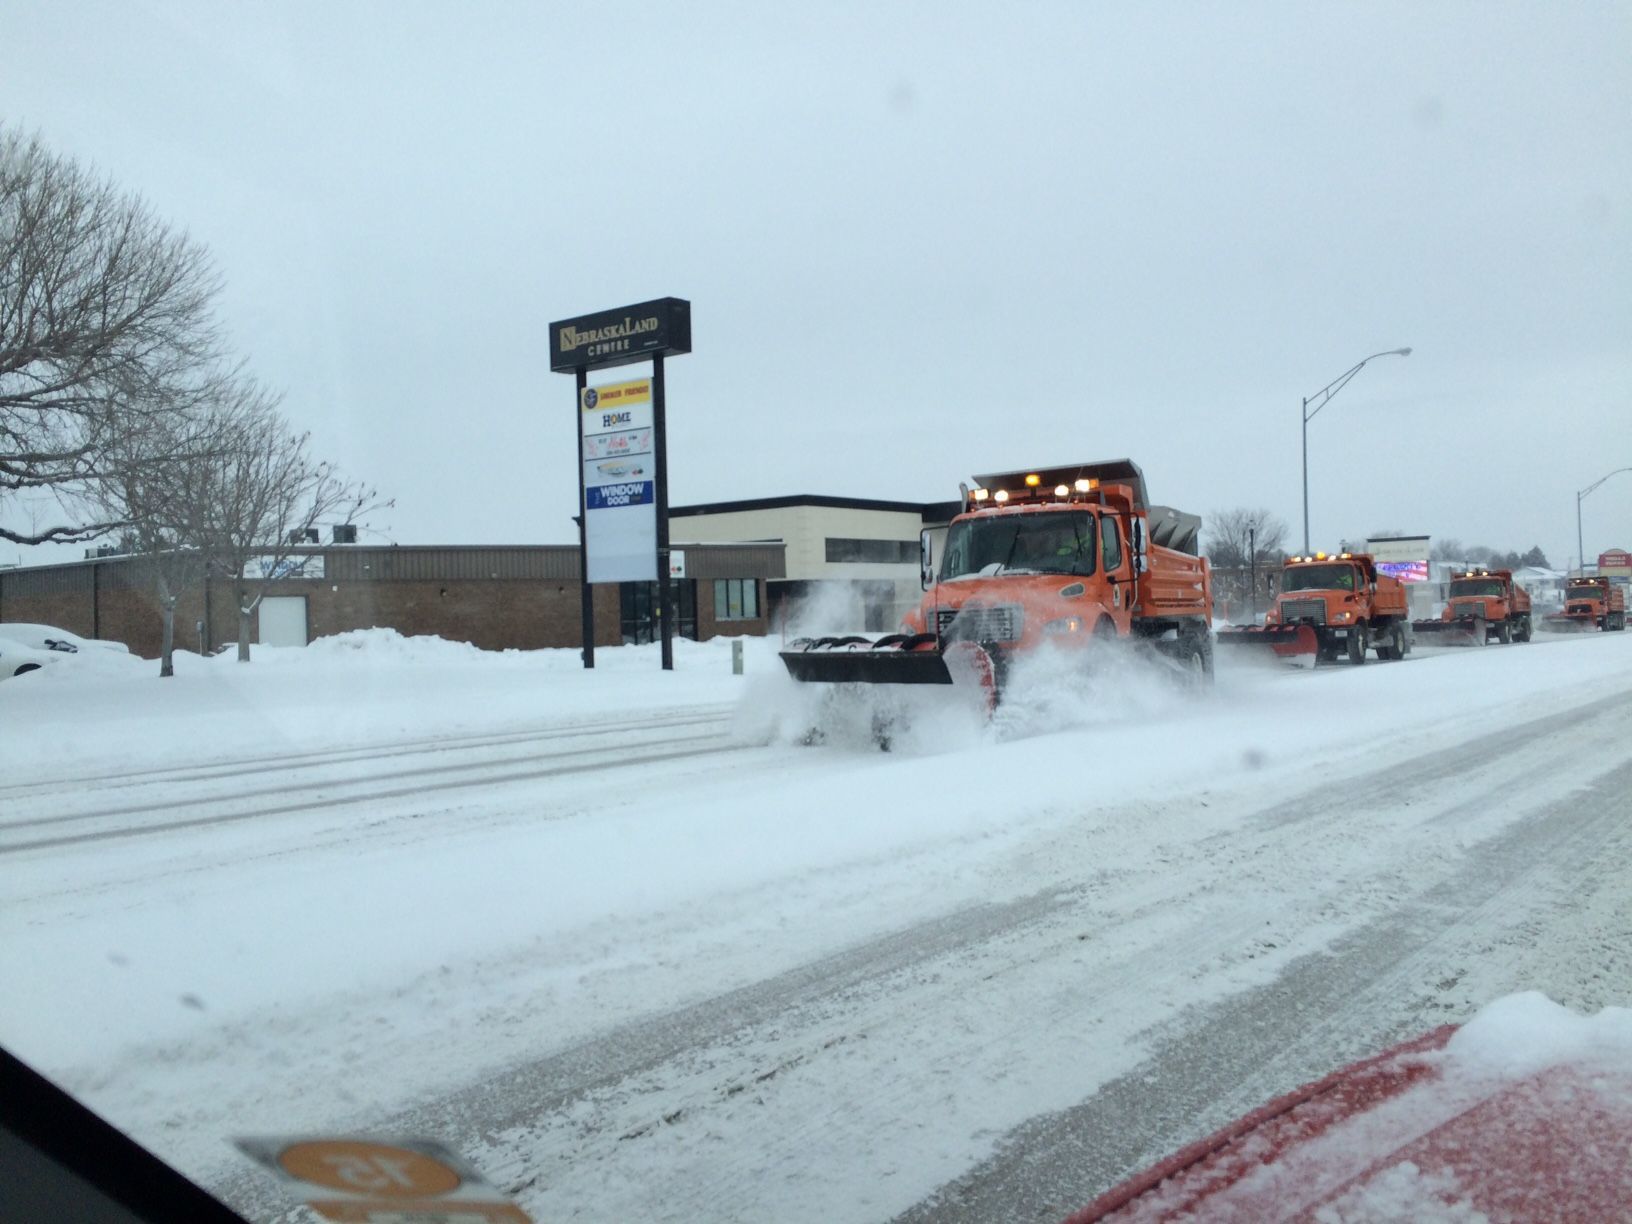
{"x":1589,"y":603}
{"x":1327,"y":606}
{"x":1058,"y":556}
{"x":1482,"y":604}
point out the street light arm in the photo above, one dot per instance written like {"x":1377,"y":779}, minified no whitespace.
{"x":1326,"y":393}
{"x":1600,"y":481}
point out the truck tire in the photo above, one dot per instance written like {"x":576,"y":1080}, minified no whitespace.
{"x":1397,"y":647}
{"x":1525,"y":628}
{"x":1504,"y":633}
{"x":1358,"y":645}
{"x":1196,"y":658}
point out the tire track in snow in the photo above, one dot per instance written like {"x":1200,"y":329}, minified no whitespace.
{"x":292,"y":786}
{"x":622,"y":760}
{"x":520,"y":1096}
{"x":283,"y":762}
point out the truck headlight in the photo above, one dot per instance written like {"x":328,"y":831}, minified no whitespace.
{"x":1066,"y":624}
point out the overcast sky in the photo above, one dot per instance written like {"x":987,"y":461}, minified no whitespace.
{"x":920,"y":242}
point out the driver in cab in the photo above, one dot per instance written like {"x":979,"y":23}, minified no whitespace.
{"x":1050,"y":550}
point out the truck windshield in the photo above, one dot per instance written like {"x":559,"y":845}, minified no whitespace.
{"x":1585,"y":592}
{"x":1476,"y":586}
{"x":1319,"y":578}
{"x":1047,"y":542}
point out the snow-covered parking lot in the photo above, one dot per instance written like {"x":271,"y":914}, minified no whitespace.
{"x":639,"y":953}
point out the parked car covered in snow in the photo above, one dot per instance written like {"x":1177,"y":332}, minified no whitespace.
{"x":18,"y":658}
{"x":49,"y":637}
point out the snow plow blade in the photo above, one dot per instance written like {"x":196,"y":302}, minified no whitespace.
{"x":1558,"y":622}
{"x":1295,"y":642}
{"x":858,"y":660}
{"x":1463,"y":631}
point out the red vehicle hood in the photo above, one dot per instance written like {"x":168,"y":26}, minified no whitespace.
{"x":1525,"y":1114}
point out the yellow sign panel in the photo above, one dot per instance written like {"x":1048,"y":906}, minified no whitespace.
{"x":618,"y":395}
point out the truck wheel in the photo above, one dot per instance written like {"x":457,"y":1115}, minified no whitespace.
{"x":1524,"y":629}
{"x":1504,"y":633}
{"x":1358,"y":645}
{"x":1396,"y":652}
{"x":1196,"y":658}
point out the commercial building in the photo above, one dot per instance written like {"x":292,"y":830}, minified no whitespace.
{"x":853,"y":561}
{"x":743,"y":567}
{"x":523,"y":597}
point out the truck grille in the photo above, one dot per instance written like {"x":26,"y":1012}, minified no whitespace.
{"x":1468,"y":609}
{"x":1001,"y":624}
{"x":1303,"y":610}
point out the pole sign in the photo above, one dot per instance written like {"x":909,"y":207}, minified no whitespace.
{"x":1401,"y":557}
{"x":1616,"y":562}
{"x":623,"y":473}
{"x":620,"y":503}
{"x":620,"y":337}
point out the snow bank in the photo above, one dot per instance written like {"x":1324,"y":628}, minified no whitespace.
{"x":1526,"y":1033}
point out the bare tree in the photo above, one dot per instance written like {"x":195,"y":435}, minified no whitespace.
{"x":153,"y":481}
{"x":105,"y":320}
{"x":1448,"y":549}
{"x":1232,"y":534}
{"x":261,"y":495}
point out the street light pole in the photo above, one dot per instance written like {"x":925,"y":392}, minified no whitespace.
{"x":1252,"y":565}
{"x":1324,"y":397}
{"x":1580,"y":550}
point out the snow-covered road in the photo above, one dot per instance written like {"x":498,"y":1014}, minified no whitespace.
{"x":638,"y":966}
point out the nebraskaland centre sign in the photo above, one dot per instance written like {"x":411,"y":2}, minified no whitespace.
{"x":623,"y":482}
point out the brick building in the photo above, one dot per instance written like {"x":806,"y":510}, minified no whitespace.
{"x":523,"y":597}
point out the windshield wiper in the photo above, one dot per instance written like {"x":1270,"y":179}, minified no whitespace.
{"x":1014,"y":542}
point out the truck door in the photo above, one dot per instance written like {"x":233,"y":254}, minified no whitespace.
{"x":1112,"y":558}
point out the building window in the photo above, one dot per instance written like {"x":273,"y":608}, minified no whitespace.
{"x":736,"y":599}
{"x":873,"y":552}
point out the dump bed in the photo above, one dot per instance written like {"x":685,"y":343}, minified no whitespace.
{"x":1176,"y":584}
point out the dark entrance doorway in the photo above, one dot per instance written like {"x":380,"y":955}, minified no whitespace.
{"x":637,"y":604}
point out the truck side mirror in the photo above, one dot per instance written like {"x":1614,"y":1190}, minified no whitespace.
{"x":926,"y":560}
{"x":1141,"y":561}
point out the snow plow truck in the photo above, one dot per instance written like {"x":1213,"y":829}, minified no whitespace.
{"x":1482,"y":604}
{"x":1589,"y":603}
{"x":1330,"y":606}
{"x":1061,"y":556}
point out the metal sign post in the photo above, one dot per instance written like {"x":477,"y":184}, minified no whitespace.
{"x":649,"y":331}
{"x":665,"y":603}
{"x":586,"y":593}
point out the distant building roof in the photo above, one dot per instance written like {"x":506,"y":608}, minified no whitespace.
{"x":929,"y":512}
